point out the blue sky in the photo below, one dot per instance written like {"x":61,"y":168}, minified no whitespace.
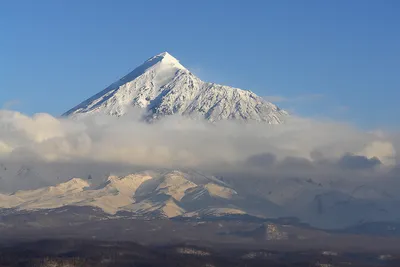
{"x":331,"y":59}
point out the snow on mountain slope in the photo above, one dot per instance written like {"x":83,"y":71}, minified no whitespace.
{"x":175,"y":185}
{"x":162,"y":86}
{"x":219,"y":191}
{"x":209,"y":190}
{"x":48,"y":197}
{"x":116,"y":193}
{"x":141,"y":193}
{"x":175,"y":193}
{"x":128,"y":184}
{"x":111,"y":197}
{"x":167,"y":208}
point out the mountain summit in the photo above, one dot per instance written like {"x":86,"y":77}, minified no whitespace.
{"x":162,"y":86}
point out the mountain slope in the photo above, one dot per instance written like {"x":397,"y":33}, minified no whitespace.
{"x":166,"y":194}
{"x":161,"y":86}
{"x":159,"y":194}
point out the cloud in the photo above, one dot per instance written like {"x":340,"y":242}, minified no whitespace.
{"x":178,"y":141}
{"x":4,"y":148}
{"x":261,"y":160}
{"x":358,"y":162}
{"x":301,"y":147}
{"x":381,"y":149}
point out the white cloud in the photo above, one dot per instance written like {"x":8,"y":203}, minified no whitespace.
{"x":176,"y":141}
{"x":382,"y":150}
{"x":4,"y":148}
{"x":53,"y":147}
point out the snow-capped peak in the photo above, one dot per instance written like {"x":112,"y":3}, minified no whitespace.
{"x":75,"y":182}
{"x":165,"y":58}
{"x":161,"y":86}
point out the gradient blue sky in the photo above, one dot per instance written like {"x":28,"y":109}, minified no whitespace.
{"x":336,"y":59}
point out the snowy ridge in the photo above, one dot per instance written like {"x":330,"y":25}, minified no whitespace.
{"x":162,"y":86}
{"x":139,"y":193}
{"x":190,"y":194}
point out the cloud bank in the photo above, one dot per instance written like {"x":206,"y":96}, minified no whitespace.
{"x":175,"y":142}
